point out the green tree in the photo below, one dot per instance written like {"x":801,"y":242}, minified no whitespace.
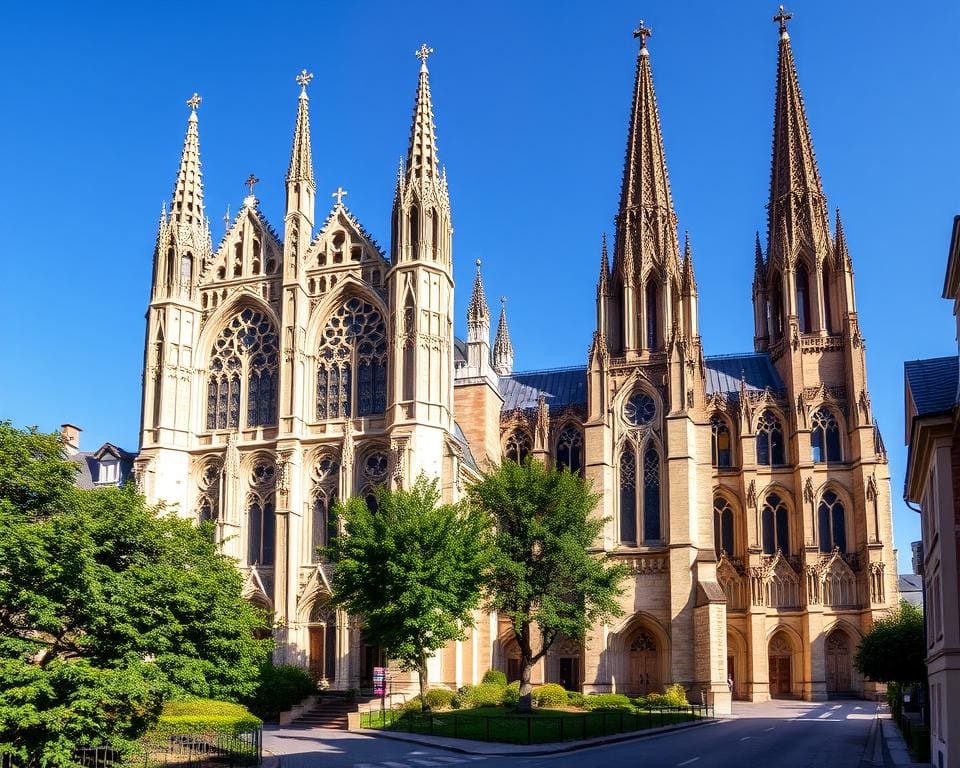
{"x":893,"y":651}
{"x":106,"y":606}
{"x":413,"y":569}
{"x":545,"y":569}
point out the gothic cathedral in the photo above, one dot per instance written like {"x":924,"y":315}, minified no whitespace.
{"x":749,"y":494}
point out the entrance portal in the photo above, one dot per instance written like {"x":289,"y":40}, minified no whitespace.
{"x":781,"y":663}
{"x":644,"y":664}
{"x":838,"y":662}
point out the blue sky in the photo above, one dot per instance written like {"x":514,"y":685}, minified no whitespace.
{"x":531,"y":102}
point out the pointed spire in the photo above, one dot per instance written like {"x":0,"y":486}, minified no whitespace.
{"x":422,"y":154}
{"x":502,"y":348}
{"x":301,"y":157}
{"x":186,"y":206}
{"x":604,"y":265}
{"x":794,"y":166}
{"x":759,"y":267}
{"x":689,"y":280}
{"x":840,"y":245}
{"x":478,"y":313}
{"x":646,"y":185}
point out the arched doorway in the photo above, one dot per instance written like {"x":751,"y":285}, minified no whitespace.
{"x":838,"y":662}
{"x":511,"y":653}
{"x":644,"y":664}
{"x":323,"y":642}
{"x":781,"y":665}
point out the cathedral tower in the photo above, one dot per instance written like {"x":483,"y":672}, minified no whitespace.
{"x":420,"y":288}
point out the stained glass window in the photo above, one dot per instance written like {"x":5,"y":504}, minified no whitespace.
{"x":824,"y":436}
{"x":570,"y":449}
{"x":770,"y":449}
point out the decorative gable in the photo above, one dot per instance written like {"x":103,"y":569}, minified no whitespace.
{"x":343,"y":247}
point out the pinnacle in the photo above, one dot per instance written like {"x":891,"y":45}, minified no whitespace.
{"x":502,"y":347}
{"x":478,"y":312}
{"x":186,"y":204}
{"x":840,"y":244}
{"x":301,"y":156}
{"x":422,"y":153}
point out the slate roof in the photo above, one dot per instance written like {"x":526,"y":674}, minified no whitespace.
{"x":88,"y":475}
{"x":560,"y":386}
{"x":465,"y":446}
{"x":910,"y":587}
{"x":725,"y":372}
{"x":933,"y":384}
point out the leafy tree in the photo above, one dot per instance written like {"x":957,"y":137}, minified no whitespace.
{"x":413,"y":568}
{"x":894,"y":649}
{"x":543,"y":572}
{"x":106,"y":606}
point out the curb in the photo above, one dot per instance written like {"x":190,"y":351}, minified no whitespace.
{"x":269,"y":760}
{"x":524,"y":750}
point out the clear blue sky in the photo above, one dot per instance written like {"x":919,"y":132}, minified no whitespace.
{"x":531,"y":102}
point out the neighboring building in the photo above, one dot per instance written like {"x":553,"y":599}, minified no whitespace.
{"x":933,"y":482}
{"x":748,"y":494}
{"x":108,"y":465}
{"x":910,"y":586}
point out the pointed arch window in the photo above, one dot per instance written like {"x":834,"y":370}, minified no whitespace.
{"x":824,"y":436}
{"x":775,"y":308}
{"x":770,"y":447}
{"x":628,"y":495}
{"x":653,"y":319}
{"x":775,"y":523}
{"x":803,"y":298}
{"x":326,"y":476}
{"x":261,"y":515}
{"x":208,"y":506}
{"x":640,"y":496}
{"x":651,"y":495}
{"x":374,"y":469}
{"x":414,"y":232}
{"x":518,"y":446}
{"x":723,"y":527}
{"x":827,"y":306}
{"x":570,"y":450}
{"x":720,"y":442}
{"x":832,"y":528}
{"x":352,"y":363}
{"x":245,"y":352}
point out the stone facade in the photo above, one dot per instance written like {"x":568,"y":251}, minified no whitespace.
{"x":749,"y":494}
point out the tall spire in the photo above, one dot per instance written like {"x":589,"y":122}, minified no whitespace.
{"x":422,"y":154}
{"x":502,"y":348}
{"x":759,"y":268}
{"x":840,"y":245}
{"x":478,"y":313}
{"x":301,"y":157}
{"x":604,"y":266}
{"x":187,"y":203}
{"x":794,"y":178}
{"x":689,"y":280}
{"x":646,"y":223}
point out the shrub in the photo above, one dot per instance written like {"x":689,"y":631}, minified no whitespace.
{"x":411,"y":705}
{"x":495,"y":676}
{"x":657,"y":701}
{"x":511,"y":694}
{"x":550,"y":695}
{"x":608,"y":701}
{"x":576,"y":699}
{"x":280,"y":687}
{"x":439,"y":698}
{"x":641,"y":702}
{"x":676,"y":695}
{"x":487,"y":695}
{"x":205,"y":716}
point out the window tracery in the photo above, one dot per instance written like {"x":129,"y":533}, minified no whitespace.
{"x":352,"y":362}
{"x":208,"y":506}
{"x":374,"y":471}
{"x":518,"y":445}
{"x":628,"y":495}
{"x":326,"y":476}
{"x":831,"y":524}
{"x":651,"y":495}
{"x":640,"y":409}
{"x":723,"y":527}
{"x":640,"y":490}
{"x":570,"y":449}
{"x":720,"y":443}
{"x":775,"y":522}
{"x":245,"y":351}
{"x":770,"y":448}
{"x":824,"y":436}
{"x":644,"y":641}
{"x":261,"y":514}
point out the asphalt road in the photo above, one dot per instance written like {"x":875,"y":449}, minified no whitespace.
{"x":785,"y":734}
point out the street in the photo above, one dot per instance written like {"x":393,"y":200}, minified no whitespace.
{"x":788,"y":734}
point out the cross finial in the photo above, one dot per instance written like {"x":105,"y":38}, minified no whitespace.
{"x":251,"y":180}
{"x":643,"y":33}
{"x":194,"y":101}
{"x":782,"y":18}
{"x":423,"y":53}
{"x":226,"y":217}
{"x":339,"y":195}
{"x":304,"y":78}
{"x":503,"y":301}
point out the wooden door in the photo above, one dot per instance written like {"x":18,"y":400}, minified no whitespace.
{"x":316,"y":652}
{"x":838,"y":663}
{"x":644,"y":667}
{"x":570,"y":673}
{"x":780,"y":677}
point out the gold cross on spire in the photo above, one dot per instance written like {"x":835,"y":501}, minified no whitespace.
{"x":783,"y":17}
{"x":423,"y":53}
{"x":304,"y":78}
{"x":194,"y":101}
{"x":643,"y":33}
{"x":251,"y":180}
{"x":339,"y":195}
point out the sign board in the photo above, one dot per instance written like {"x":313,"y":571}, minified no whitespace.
{"x":379,"y":681}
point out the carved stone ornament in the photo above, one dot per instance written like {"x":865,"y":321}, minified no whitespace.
{"x":752,"y":495}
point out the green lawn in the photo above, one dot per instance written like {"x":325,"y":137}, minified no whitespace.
{"x":543,"y":726}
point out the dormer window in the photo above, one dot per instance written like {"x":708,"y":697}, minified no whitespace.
{"x":109,"y":471}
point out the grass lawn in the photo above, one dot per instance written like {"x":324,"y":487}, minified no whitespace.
{"x":543,"y":726}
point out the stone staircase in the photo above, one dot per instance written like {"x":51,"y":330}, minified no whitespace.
{"x":331,"y":711}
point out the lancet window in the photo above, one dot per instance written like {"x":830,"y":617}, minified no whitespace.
{"x":243,"y":356}
{"x":326,"y":476}
{"x":824,"y":436}
{"x":374,"y":469}
{"x":518,"y":446}
{"x":261,"y":515}
{"x":770,"y":448}
{"x":803,"y":299}
{"x":775,"y":524}
{"x":652,"y":329}
{"x":640,"y":490}
{"x":570,"y":449}
{"x":831,"y":528}
{"x":208,"y":505}
{"x":722,"y":526}
{"x":352,"y":363}
{"x":720,"y":443}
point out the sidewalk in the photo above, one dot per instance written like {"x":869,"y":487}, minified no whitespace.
{"x":489,"y":748}
{"x":894,"y":747}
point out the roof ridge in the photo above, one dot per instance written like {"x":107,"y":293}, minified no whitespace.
{"x":546,"y":370}
{"x":730,"y":355}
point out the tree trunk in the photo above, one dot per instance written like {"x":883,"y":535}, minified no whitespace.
{"x":422,"y":675}
{"x":525,"y":704}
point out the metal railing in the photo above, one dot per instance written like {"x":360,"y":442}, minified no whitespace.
{"x":534,"y":729}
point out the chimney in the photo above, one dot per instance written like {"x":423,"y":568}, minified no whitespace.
{"x":71,"y":438}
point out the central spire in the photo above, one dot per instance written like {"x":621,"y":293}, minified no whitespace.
{"x":646,"y":223}
{"x":186,"y":206}
{"x":301,"y":156}
{"x":422,"y":154}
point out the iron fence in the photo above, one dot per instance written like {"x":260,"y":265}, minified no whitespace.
{"x":538,"y":728}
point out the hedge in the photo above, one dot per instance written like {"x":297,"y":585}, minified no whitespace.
{"x":550,"y":695}
{"x":204,"y":716}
